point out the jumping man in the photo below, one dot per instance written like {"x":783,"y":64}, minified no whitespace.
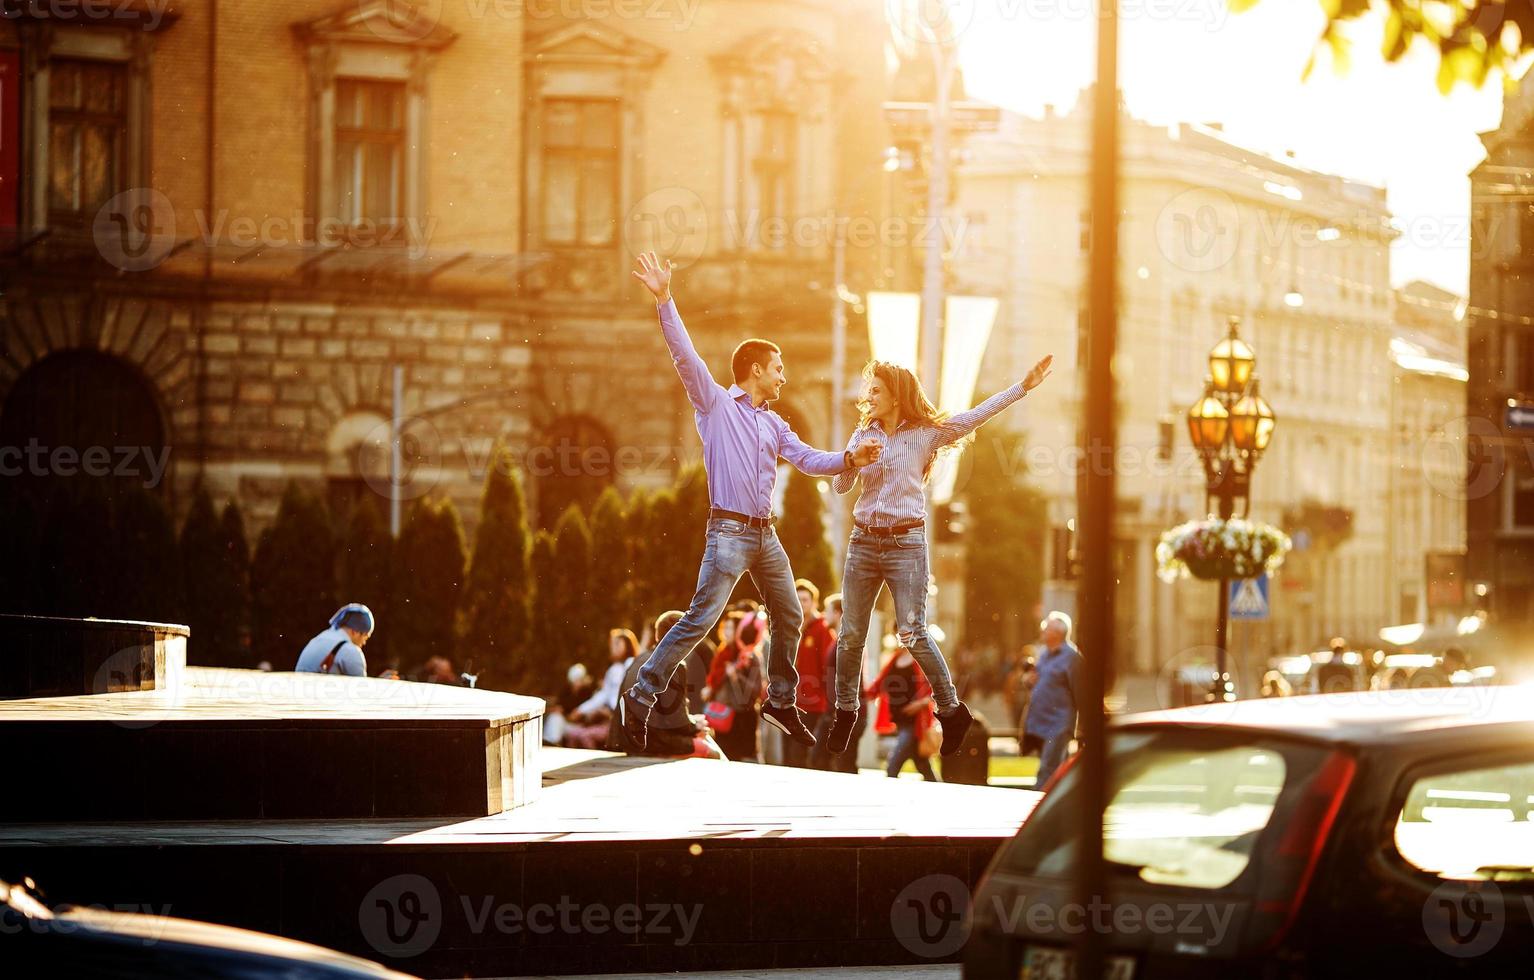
{"x":742,"y":442}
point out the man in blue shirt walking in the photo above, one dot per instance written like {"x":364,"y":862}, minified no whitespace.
{"x":742,"y":442}
{"x":1055,"y":702}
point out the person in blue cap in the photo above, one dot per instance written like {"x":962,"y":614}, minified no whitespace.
{"x":338,"y":650}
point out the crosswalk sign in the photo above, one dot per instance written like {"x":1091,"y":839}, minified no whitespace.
{"x":1249,"y":598}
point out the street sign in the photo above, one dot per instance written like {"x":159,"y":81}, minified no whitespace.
{"x":1520,"y":416}
{"x":964,"y":117}
{"x":1249,"y":598}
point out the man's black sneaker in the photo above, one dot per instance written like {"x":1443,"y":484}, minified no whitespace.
{"x":955,"y":727}
{"x":635,"y":716}
{"x":841,"y":731}
{"x":790,"y":721}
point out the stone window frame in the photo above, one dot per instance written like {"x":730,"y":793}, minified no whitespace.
{"x":582,"y":152}
{"x":585,"y":62}
{"x":375,"y":41}
{"x":780,"y":72}
{"x":129,"y":43}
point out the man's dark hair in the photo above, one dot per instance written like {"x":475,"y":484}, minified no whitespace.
{"x":753,"y":351}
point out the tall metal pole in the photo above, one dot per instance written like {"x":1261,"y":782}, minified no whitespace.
{"x":1222,"y":691}
{"x":937,"y":202}
{"x":396,"y":423}
{"x":838,"y":369}
{"x":1096,"y":604}
{"x":932,"y":274}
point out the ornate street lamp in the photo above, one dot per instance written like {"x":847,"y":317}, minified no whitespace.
{"x":1230,"y":426}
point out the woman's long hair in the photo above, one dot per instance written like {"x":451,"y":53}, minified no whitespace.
{"x":915,"y":407}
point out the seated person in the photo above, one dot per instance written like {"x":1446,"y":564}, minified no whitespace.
{"x":673,"y":732}
{"x":338,"y":649}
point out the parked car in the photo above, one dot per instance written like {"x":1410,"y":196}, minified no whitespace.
{"x":1375,"y":833}
{"x":87,"y":944}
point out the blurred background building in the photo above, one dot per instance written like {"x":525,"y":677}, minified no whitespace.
{"x":1213,"y":230}
{"x":232,"y":220}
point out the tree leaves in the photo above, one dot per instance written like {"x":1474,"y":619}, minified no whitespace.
{"x":1474,"y":38}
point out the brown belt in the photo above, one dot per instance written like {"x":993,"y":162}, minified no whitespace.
{"x":730,"y":515}
{"x":892,"y":530}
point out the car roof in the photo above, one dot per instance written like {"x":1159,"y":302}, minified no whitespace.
{"x":1361,"y":717}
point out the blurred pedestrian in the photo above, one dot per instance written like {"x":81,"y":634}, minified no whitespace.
{"x":822,"y":757}
{"x":1017,"y":691}
{"x":734,"y":692}
{"x":815,"y":649}
{"x":1056,"y":701}
{"x":338,"y":648}
{"x":587,"y":724}
{"x":674,"y":730}
{"x":440,"y":670}
{"x":1274,"y":685}
{"x":905,"y":709}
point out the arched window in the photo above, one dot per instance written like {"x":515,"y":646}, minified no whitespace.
{"x":83,"y":414}
{"x":571,"y":462}
{"x":357,"y":464}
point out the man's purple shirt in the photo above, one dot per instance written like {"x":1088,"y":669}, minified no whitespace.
{"x":741,"y":442}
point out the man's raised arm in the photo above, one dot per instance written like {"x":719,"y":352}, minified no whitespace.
{"x":818,"y":462}
{"x":702,"y":389}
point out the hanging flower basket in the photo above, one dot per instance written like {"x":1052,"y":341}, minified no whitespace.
{"x":1216,"y":549}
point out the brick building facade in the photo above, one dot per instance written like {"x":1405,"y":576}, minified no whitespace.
{"x":232,"y":221}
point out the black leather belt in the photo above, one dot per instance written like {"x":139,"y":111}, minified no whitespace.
{"x":892,"y":530}
{"x":730,"y":515}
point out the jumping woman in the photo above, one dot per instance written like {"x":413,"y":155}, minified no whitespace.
{"x":889,"y":536}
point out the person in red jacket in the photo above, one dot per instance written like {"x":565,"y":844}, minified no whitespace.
{"x":905,"y":711}
{"x":815,"y":647}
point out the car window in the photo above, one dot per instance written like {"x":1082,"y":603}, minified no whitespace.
{"x":1186,"y":812}
{"x":1470,"y":822}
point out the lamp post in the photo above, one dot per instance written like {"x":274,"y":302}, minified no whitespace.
{"x":1230,"y":426}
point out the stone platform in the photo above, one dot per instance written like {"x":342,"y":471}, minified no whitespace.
{"x":622,"y":865}
{"x":241,"y":744}
{"x":46,"y":656}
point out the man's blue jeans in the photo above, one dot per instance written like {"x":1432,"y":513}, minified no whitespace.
{"x":900,"y":560}
{"x":734,"y":549}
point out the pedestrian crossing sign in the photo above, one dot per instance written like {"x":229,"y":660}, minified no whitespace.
{"x":1249,"y":598}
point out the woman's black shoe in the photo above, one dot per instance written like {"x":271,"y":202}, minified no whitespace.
{"x":955,"y":727}
{"x":841,"y":730}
